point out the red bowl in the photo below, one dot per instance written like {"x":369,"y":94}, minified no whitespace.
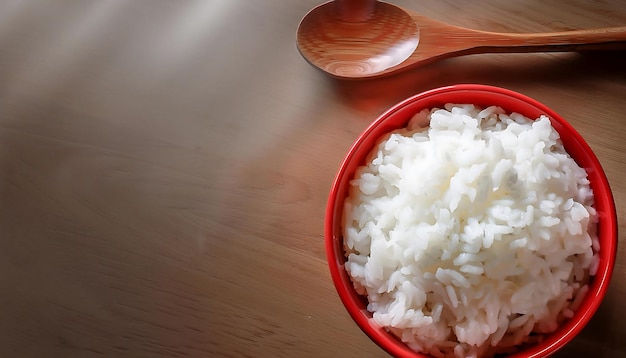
{"x":482,"y":95}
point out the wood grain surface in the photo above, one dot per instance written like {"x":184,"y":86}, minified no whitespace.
{"x":164,"y":169}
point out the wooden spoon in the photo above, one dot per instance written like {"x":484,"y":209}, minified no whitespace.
{"x":369,"y":38}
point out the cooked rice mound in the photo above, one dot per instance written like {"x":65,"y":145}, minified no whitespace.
{"x":471,"y":232}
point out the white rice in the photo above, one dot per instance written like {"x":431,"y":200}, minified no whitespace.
{"x":473,"y":234}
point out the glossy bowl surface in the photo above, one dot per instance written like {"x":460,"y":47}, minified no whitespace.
{"x":481,"y":95}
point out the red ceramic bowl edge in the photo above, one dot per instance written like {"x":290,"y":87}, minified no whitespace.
{"x":604,"y":202}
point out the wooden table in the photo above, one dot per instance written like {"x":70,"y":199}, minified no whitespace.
{"x":164,"y":169}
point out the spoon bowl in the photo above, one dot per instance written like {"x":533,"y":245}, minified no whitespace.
{"x":346,"y":48}
{"x":391,"y":39}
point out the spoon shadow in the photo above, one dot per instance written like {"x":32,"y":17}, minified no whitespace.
{"x":519,"y":71}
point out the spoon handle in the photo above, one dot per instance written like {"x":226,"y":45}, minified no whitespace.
{"x":603,"y":38}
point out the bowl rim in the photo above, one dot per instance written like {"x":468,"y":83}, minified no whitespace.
{"x":553,"y":341}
